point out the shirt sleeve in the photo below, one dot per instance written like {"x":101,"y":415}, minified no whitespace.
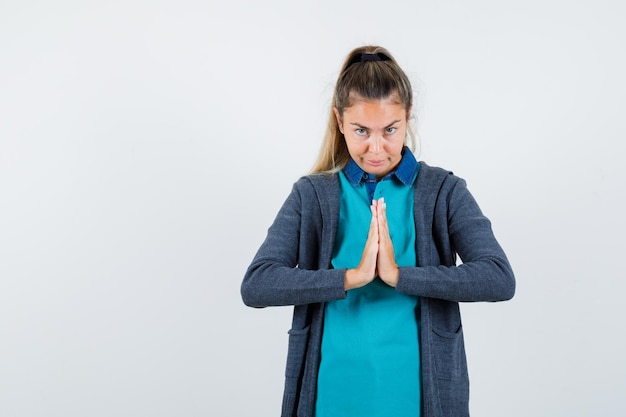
{"x":484,"y":275}
{"x":282,"y":271}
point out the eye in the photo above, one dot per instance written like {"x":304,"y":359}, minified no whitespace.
{"x":361,"y":132}
{"x":390,"y":130}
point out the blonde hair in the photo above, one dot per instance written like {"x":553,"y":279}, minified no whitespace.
{"x":368,"y":79}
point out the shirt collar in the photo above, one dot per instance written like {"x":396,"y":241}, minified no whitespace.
{"x":406,"y":171}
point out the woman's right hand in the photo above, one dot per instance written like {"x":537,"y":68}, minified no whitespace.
{"x":366,"y":271}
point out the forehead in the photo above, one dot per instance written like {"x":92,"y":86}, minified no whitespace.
{"x":391,"y":98}
{"x":374,"y":112}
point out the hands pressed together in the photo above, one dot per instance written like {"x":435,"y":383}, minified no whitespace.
{"x":378,"y":258}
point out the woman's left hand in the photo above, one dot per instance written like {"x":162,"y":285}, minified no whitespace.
{"x":386,"y":264}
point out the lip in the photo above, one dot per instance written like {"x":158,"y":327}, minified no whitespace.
{"x":376,"y":163}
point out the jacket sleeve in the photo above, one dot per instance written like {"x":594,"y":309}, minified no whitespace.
{"x":285,"y":269}
{"x":459,"y":226}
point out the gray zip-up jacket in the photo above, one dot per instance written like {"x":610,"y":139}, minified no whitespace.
{"x":293,"y":267}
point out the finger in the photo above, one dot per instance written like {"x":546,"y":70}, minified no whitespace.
{"x":373,"y":239}
{"x":386,"y":266}
{"x":374,"y":221}
{"x":383,"y":227}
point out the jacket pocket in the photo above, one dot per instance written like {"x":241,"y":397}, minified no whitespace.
{"x":449,"y":354}
{"x":296,"y":353}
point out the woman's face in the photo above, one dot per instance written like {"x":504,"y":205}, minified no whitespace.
{"x":374,"y":132}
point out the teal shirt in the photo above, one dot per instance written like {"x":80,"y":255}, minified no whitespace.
{"x":370,"y":347}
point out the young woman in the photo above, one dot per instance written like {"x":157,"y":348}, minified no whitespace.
{"x":365,"y":250}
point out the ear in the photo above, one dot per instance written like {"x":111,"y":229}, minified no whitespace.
{"x":408,"y":113}
{"x":339,"y":121}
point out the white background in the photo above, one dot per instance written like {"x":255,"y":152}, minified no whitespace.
{"x":145,"y":147}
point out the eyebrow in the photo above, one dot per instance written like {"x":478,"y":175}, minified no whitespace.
{"x":365,"y":127}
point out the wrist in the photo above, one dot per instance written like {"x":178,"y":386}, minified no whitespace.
{"x":353,"y":278}
{"x":392,"y":276}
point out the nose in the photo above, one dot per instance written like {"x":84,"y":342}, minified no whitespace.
{"x":376,"y":144}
